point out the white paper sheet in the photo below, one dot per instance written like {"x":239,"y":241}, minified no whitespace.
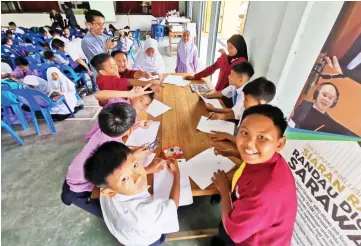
{"x":157,"y":108}
{"x":147,"y":160}
{"x":201,"y":167}
{"x":215,"y":102}
{"x":142,"y":136}
{"x":205,"y":125}
{"x":176,"y":80}
{"x":150,"y":79}
{"x":163,"y":182}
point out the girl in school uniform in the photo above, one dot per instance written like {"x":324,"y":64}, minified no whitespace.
{"x":149,"y":59}
{"x":237,"y":52}
{"x":187,"y":54}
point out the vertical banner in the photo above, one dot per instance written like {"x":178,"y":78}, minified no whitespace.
{"x":331,"y":98}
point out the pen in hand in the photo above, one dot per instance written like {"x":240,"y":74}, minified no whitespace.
{"x":210,"y":117}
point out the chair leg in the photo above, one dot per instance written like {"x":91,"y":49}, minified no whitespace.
{"x":83,"y":80}
{"x":67,"y":106}
{"x":20,"y":115}
{"x":35,"y":121}
{"x":12,"y":133}
{"x":49,"y":120}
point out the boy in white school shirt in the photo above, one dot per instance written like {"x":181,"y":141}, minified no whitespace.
{"x":239,"y":76}
{"x":129,"y":211}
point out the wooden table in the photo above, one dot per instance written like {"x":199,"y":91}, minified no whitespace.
{"x":178,"y":128}
{"x":171,"y":35}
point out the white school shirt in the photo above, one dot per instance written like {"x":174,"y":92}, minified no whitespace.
{"x":139,"y":219}
{"x":74,"y":50}
{"x":237,"y":108}
{"x":18,"y":30}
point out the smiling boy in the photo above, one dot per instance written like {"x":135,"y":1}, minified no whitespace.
{"x":264,"y":201}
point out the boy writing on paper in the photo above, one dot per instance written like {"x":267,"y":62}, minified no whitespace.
{"x":240,"y":74}
{"x":115,"y":122}
{"x":129,"y":211}
{"x":263,"y":205}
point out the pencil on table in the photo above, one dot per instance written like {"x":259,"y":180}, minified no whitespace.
{"x":319,"y":128}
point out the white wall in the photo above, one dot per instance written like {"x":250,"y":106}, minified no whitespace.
{"x":143,"y":22}
{"x":106,"y":7}
{"x":284,"y":40}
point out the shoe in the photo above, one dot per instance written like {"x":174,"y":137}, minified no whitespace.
{"x":215,"y":199}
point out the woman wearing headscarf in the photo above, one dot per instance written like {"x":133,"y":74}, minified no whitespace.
{"x":149,"y":59}
{"x":187,"y":54}
{"x":59,"y":83}
{"x":237,"y":52}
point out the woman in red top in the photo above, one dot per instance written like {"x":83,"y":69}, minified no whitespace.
{"x":237,"y":52}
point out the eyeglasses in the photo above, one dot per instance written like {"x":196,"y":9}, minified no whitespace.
{"x":98,"y":24}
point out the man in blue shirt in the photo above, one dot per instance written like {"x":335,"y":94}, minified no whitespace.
{"x":95,"y":41}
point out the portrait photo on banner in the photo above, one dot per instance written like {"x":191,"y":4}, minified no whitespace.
{"x":330,"y":101}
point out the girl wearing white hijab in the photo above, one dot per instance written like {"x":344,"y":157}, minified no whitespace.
{"x":57,"y":81}
{"x":149,"y":59}
{"x":187,"y":54}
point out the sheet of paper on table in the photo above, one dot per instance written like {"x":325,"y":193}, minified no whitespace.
{"x":176,"y":80}
{"x":142,"y":136}
{"x":201,"y":167}
{"x":215,"y":102}
{"x":149,"y":79}
{"x":157,"y":108}
{"x":205,"y":125}
{"x":163,"y":182}
{"x":147,"y":160}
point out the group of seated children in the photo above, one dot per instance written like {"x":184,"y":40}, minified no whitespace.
{"x":108,"y":179}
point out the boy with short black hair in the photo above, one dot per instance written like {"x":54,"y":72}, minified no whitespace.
{"x":239,"y":76}
{"x":115,"y":122}
{"x":14,"y":28}
{"x":264,"y":205}
{"x":129,"y":211}
{"x":121,"y":59}
{"x":22,"y":68}
{"x":54,"y":58}
{"x":259,"y":91}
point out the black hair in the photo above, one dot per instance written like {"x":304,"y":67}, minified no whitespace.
{"x":68,"y":5}
{"x":127,"y":27}
{"x":89,"y":16}
{"x":51,"y":32}
{"x":5,"y":40}
{"x":98,"y":60}
{"x":11,"y":23}
{"x":48,"y":54}
{"x":116,"y":52}
{"x":57,"y":43}
{"x":237,"y":40}
{"x":21,"y":61}
{"x":116,"y":118}
{"x":126,"y":34}
{"x":151,"y":95}
{"x":66,"y":28}
{"x":9,"y":32}
{"x":244,"y":67}
{"x":103,"y":162}
{"x":260,"y":89}
{"x":77,"y":26}
{"x":272,"y":112}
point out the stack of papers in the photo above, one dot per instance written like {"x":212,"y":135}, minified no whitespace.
{"x":150,"y":79}
{"x":214,"y":102}
{"x":201,"y":167}
{"x":205,"y":125}
{"x":163,"y":182}
{"x":157,"y":108}
{"x":176,"y":80}
{"x":142,"y":136}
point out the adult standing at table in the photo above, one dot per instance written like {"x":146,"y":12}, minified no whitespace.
{"x":95,"y":41}
{"x":56,"y":17}
{"x":70,"y":15}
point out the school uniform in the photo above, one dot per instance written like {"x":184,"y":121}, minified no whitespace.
{"x":128,"y":73}
{"x":139,"y":219}
{"x":236,"y":94}
{"x":76,"y":189}
{"x":224,"y":70}
{"x":20,"y":74}
{"x":264,"y":206}
{"x":111,"y":83}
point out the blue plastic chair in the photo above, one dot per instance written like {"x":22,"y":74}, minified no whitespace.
{"x":11,"y":102}
{"x":131,"y":52}
{"x":136,"y":37}
{"x":35,"y":58}
{"x":41,"y":68}
{"x":10,"y":52}
{"x":72,"y":75}
{"x":37,"y":101}
{"x":32,"y":48}
{"x":12,"y":133}
{"x":159,"y":33}
{"x":8,"y":83}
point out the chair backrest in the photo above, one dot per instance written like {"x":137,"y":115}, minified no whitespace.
{"x":8,"y":83}
{"x":35,"y":58}
{"x":131,"y":50}
{"x":136,"y":34}
{"x":8,"y":98}
{"x":69,"y":72}
{"x":41,"y":68}
{"x":8,"y":51}
{"x":33,"y":98}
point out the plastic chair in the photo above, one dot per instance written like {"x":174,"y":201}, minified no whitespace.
{"x":72,"y":75}
{"x":131,"y":52}
{"x":35,"y":58}
{"x":136,"y":37}
{"x":41,"y":68}
{"x":11,"y":102}
{"x":159,"y":33}
{"x":10,"y":52}
{"x":37,"y":101}
{"x":8,"y":83}
{"x":12,"y":133}
{"x":32,"y":48}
